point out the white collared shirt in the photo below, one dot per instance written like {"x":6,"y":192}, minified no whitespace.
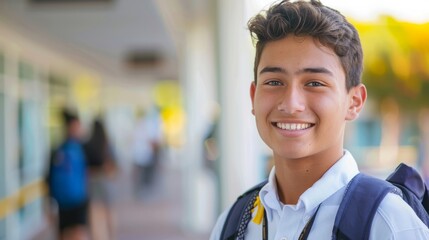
{"x":394,"y":218}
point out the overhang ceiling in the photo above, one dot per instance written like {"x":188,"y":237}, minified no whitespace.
{"x":105,"y":35}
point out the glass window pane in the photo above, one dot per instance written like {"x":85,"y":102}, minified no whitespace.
{"x":2,"y":148}
{"x":26,"y":71}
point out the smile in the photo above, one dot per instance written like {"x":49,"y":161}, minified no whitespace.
{"x":293,"y":126}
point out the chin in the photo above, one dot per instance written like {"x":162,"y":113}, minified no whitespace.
{"x":290,"y":154}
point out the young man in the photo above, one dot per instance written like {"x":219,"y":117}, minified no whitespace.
{"x":307,"y":85}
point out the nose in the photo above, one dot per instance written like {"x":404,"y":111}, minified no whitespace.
{"x":292,"y":101}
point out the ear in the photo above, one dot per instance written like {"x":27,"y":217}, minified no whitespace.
{"x":252,"y":95}
{"x":357,"y":100}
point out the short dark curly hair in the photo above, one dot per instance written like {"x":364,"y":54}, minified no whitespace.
{"x":310,"y":18}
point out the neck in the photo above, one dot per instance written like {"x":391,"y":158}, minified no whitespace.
{"x":295,"y":176}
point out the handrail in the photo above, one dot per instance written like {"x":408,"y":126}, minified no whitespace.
{"x":22,"y":197}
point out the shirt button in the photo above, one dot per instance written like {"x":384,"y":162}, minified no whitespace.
{"x":283,"y":238}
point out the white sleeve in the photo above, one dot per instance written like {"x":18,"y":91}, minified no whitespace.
{"x":396,"y":220}
{"x":217,"y":230}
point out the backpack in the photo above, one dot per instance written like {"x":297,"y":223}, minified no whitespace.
{"x":67,"y":176}
{"x":357,"y":209}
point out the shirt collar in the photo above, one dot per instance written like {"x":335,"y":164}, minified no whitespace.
{"x":333,"y":180}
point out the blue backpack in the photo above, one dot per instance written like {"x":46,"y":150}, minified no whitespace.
{"x":67,"y":179}
{"x":358,"y":207}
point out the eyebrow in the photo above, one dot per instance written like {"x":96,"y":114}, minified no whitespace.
{"x":301,"y":71}
{"x":315,"y":70}
{"x":273,"y":70}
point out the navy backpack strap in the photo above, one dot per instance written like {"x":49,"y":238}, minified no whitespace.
{"x":232,"y":222}
{"x":357,"y":209}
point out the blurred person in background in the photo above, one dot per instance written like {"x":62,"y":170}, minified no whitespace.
{"x":307,"y":86}
{"x":101,"y":168}
{"x":67,"y":181}
{"x":146,"y":151}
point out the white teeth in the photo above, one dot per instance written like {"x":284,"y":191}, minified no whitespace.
{"x":293,"y":126}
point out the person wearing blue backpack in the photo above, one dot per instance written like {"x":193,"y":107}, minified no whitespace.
{"x":307,"y":86}
{"x":67,"y":181}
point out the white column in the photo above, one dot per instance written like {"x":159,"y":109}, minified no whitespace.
{"x":198,"y":78}
{"x":215,"y":53}
{"x":240,"y":165}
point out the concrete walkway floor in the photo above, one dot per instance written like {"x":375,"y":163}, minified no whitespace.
{"x":151,"y":215}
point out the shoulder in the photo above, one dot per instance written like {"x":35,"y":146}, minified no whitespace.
{"x":395,"y":219}
{"x":217,"y":229}
{"x":257,"y":187}
{"x":233,"y":213}
{"x":58,"y":155}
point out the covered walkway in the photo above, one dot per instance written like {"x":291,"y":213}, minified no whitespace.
{"x":154,"y":215}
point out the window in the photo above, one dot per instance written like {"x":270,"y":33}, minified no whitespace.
{"x":2,"y":64}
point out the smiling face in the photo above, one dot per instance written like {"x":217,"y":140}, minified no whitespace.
{"x":300,"y":100}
